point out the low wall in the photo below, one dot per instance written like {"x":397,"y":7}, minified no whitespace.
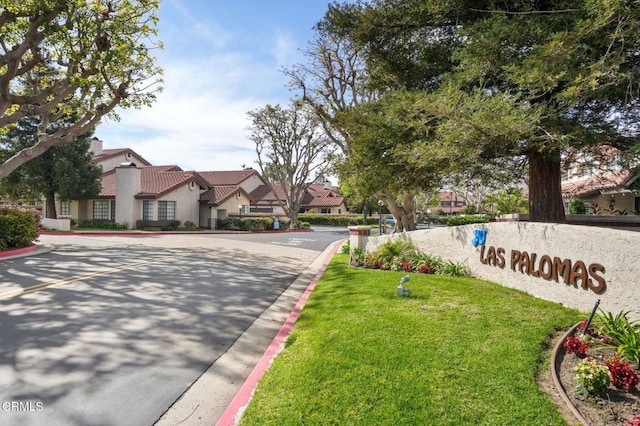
{"x":57,"y":224}
{"x":569,"y":264}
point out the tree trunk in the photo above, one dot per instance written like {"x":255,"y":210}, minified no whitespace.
{"x":403,"y":214}
{"x":545,"y":188}
{"x":51,"y":206}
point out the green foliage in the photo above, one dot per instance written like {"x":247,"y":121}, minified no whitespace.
{"x":337,"y":220}
{"x":592,"y":377}
{"x":466,"y":220}
{"x":624,"y":334}
{"x":18,"y":227}
{"x":65,"y":171}
{"x":101,"y":224}
{"x":498,"y":85}
{"x":507,"y":201}
{"x":577,"y":206}
{"x":91,"y":57}
{"x":391,"y":254}
{"x":469,"y":209}
{"x":190,"y":226}
{"x":345,"y":248}
{"x":252,"y":224}
{"x":400,"y":255}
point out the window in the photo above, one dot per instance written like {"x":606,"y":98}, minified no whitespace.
{"x":147,"y":210}
{"x":65,"y":209}
{"x":166,"y":210}
{"x":101,"y":209}
{"x":113,"y":210}
{"x":325,"y":211}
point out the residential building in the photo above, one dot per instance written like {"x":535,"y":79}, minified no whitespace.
{"x":134,"y":190}
{"x":451,"y":203}
{"x":599,"y":180}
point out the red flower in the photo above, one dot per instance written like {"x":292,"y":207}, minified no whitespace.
{"x":634,"y":422}
{"x":576,"y":346}
{"x":425,"y":268}
{"x":622,"y":375}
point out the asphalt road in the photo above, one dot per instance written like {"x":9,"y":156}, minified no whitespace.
{"x":111,"y":330}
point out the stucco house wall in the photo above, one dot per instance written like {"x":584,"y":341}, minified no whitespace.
{"x":590,"y":263}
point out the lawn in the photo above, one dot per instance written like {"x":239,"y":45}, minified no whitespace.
{"x":459,"y":351}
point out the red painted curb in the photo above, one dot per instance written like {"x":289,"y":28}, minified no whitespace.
{"x":233,"y":411}
{"x":18,"y":251}
{"x":152,"y":233}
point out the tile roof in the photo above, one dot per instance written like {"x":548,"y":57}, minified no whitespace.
{"x":315,"y":196}
{"x":229,"y":177}
{"x":217,"y":195}
{"x":109,"y":153}
{"x":596,"y":184}
{"x":156,"y":181}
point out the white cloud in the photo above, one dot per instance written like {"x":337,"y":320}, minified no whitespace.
{"x":199,"y":121}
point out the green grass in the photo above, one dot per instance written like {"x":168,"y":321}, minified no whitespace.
{"x":459,"y":351}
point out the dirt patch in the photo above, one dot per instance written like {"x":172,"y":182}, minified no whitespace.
{"x":614,"y":408}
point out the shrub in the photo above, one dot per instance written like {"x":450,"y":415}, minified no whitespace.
{"x":346,"y":247}
{"x":190,"y":226}
{"x":469,"y":209}
{"x":622,"y":375}
{"x":393,"y":252}
{"x":577,"y":206}
{"x":454,"y":269}
{"x":592,"y":377}
{"x":466,"y":220}
{"x":624,"y":335}
{"x":18,"y":227}
{"x":101,"y":224}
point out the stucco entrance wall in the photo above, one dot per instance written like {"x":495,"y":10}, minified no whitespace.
{"x":569,"y":264}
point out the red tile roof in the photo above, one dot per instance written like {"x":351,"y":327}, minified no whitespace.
{"x":594,"y":185}
{"x":315,"y":196}
{"x":156,"y":181}
{"x":229,"y":177}
{"x":219,"y":194}
{"x":109,"y":153}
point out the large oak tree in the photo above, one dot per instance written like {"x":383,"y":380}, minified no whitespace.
{"x":59,"y":57}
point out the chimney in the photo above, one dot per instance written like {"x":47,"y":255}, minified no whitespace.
{"x":327,"y":185}
{"x":128,"y":184}
{"x":95,"y":146}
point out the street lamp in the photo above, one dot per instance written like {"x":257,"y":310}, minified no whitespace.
{"x":240,"y":210}
{"x":380,"y":204}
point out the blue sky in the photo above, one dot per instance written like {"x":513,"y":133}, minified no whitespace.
{"x":221,"y":58}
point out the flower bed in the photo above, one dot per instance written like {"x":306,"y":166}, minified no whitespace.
{"x":598,"y":371}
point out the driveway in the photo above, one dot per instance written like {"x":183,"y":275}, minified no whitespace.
{"x":112,"y":330}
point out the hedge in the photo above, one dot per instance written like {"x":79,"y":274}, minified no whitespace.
{"x":466,"y":220}
{"x":18,"y":227}
{"x":343,"y":220}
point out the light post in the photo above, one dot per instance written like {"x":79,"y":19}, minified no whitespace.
{"x":380,"y":204}
{"x":240,"y":210}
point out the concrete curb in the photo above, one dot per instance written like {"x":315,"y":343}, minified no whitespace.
{"x":227,"y":385}
{"x":26,"y":251}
